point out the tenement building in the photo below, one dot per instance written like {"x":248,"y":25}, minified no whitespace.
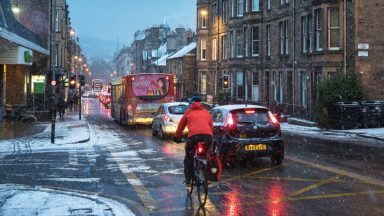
{"x":277,"y":51}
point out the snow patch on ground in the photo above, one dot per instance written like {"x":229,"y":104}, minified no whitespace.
{"x":46,"y":202}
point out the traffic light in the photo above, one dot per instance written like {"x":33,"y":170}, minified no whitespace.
{"x":82,"y":80}
{"x":225,"y":81}
{"x":72,"y":82}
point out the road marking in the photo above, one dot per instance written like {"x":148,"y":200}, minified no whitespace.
{"x":141,"y":191}
{"x":310,"y":187}
{"x":290,"y":179}
{"x":73,"y":157}
{"x":365,"y":179}
{"x":335,"y":195}
{"x":214,"y":184}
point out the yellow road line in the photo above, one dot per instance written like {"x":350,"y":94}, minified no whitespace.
{"x":335,"y":195}
{"x":365,"y":179}
{"x":310,"y":187}
{"x":287,"y":179}
{"x":214,"y":184}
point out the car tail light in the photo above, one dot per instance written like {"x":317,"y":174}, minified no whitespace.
{"x":201,"y":148}
{"x":167,"y":118}
{"x":230,"y":122}
{"x":273,"y":119}
{"x":108,"y":100}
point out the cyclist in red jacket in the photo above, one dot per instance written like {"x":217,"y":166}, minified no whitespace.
{"x":200,"y":129}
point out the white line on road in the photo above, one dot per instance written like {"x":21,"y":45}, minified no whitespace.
{"x":73,"y":157}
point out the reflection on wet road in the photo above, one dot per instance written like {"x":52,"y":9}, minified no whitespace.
{"x":146,"y":173}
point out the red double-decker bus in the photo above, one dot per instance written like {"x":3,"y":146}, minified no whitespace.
{"x":135,"y":97}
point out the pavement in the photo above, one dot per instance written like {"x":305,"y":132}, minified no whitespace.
{"x":68,"y":130}
{"x":303,"y":126}
{"x":25,"y":200}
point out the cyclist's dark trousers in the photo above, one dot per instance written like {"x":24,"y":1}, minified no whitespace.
{"x":190,"y":152}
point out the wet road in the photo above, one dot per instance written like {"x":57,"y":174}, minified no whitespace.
{"x":317,"y":177}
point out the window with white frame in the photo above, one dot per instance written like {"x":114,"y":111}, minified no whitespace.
{"x":281,"y":28}
{"x":246,"y":46}
{"x":268,"y":2}
{"x":240,"y":84}
{"x":57,"y":20}
{"x":306,"y":33}
{"x":224,"y":11}
{"x":303,"y":89}
{"x":281,"y":98}
{"x":203,"y":49}
{"x":246,"y":5}
{"x":224,"y":48}
{"x":255,"y":41}
{"x":239,"y":44}
{"x":284,"y":40}
{"x":286,"y":37}
{"x":214,"y":49}
{"x":255,"y":86}
{"x":203,"y":83}
{"x":274,"y":82}
{"x":233,"y":7}
{"x":268,"y":41}
{"x":319,"y":29}
{"x":255,"y":5}
{"x":232,"y":43}
{"x":284,"y":2}
{"x":240,"y":7}
{"x":333,"y":29}
{"x":204,"y":20}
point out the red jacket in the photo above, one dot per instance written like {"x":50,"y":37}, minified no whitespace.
{"x":197,"y":119}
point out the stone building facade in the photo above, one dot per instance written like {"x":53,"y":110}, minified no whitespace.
{"x":277,"y":51}
{"x":182,"y":64}
{"x":123,"y":61}
{"x":153,"y":43}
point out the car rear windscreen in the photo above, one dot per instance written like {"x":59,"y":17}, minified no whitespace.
{"x":254,"y":116}
{"x":178,"y":109}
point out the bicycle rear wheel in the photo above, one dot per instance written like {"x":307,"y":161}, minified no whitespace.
{"x":201,"y":183}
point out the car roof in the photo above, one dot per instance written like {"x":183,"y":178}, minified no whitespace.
{"x":239,"y":106}
{"x":175,"y":103}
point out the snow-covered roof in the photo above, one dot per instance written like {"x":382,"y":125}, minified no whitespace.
{"x":184,"y":51}
{"x":162,"y":49}
{"x":162,"y":61}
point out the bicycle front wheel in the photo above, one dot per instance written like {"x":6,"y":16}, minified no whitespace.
{"x":201,"y":183}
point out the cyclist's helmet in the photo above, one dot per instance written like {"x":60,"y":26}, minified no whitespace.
{"x":195,"y":98}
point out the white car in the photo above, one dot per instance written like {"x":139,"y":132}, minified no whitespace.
{"x":167,"y":118}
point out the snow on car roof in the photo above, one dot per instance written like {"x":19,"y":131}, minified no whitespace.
{"x":175,"y":103}
{"x":240,"y":106}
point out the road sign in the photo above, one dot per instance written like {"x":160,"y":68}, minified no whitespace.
{"x":363,"y":46}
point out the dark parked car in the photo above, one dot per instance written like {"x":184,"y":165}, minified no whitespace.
{"x":246,"y":132}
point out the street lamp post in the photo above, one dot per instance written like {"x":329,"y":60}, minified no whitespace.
{"x":79,"y":77}
{"x":52,"y":100}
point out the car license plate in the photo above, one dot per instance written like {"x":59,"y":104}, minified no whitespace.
{"x":256,"y":147}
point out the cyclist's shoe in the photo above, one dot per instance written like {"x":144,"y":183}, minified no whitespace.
{"x":187,"y":184}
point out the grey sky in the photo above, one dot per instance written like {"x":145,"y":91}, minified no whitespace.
{"x":120,"y":19}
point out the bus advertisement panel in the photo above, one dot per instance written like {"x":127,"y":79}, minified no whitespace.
{"x":141,"y":95}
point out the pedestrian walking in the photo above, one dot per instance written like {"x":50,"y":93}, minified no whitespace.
{"x":61,"y":106}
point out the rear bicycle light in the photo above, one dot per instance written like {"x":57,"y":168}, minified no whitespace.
{"x":200,"y":148}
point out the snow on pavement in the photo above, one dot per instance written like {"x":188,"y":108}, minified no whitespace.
{"x":21,"y":200}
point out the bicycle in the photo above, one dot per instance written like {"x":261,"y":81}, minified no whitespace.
{"x":200,"y":176}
